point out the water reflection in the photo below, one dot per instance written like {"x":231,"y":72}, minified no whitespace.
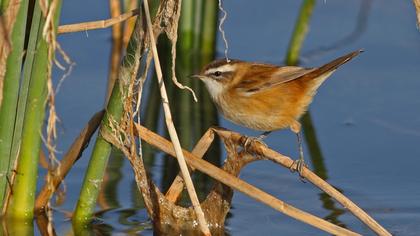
{"x":195,"y":48}
{"x":311,"y":140}
{"x":319,"y":168}
{"x":108,"y":195}
{"x":360,"y":27}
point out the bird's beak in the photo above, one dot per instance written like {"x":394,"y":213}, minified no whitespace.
{"x":201,"y":77}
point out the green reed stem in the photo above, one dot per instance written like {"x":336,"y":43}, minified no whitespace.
{"x":3,"y":5}
{"x":208,"y":47}
{"x":23,"y":198}
{"x":10,"y":96}
{"x":102,"y":149}
{"x":300,"y":31}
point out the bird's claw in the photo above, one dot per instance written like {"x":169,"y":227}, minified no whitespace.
{"x":298,"y":166}
{"x":250,"y":140}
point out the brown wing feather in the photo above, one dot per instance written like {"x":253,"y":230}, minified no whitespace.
{"x":263,"y":76}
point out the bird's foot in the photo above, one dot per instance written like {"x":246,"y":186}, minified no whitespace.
{"x":298,"y":166}
{"x":250,"y":140}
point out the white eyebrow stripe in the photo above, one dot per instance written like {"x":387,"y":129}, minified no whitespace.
{"x":224,"y":68}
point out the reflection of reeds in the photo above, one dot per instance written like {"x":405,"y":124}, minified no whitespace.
{"x":68,"y":160}
{"x":171,"y":32}
{"x":292,"y":58}
{"x":352,"y":36}
{"x":299,"y":33}
{"x":195,"y":48}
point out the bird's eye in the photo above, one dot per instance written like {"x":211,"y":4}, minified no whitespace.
{"x":217,"y":73}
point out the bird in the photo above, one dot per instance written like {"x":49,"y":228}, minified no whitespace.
{"x":266,"y":97}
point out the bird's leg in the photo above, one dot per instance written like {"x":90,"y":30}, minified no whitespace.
{"x":299,"y":163}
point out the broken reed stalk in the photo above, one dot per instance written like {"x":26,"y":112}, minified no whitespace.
{"x":171,"y":129}
{"x":175,"y":190}
{"x":240,"y":185}
{"x":306,"y":173}
{"x":72,"y":155}
{"x":100,"y":24}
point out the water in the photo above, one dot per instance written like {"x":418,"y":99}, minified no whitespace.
{"x":366,"y":116}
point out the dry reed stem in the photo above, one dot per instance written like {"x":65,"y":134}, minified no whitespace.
{"x":72,"y":155}
{"x":49,"y":10}
{"x":4,"y":53}
{"x":115,"y":8}
{"x":417,"y":7}
{"x":170,"y":218}
{"x":287,"y":162}
{"x":43,"y":159}
{"x":199,"y":150}
{"x":136,"y":163}
{"x":171,"y":128}
{"x":240,"y":185}
{"x":91,"y":25}
{"x":43,"y":224}
{"x":129,"y":23}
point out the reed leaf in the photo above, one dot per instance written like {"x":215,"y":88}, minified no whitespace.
{"x":23,"y":198}
{"x":10,"y":96}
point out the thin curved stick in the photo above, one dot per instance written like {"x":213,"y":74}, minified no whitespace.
{"x":171,"y":129}
{"x":174,"y":192}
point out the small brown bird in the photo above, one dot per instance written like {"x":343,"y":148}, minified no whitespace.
{"x":266,"y":97}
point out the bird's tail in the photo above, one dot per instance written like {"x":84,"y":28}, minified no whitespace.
{"x":319,"y":75}
{"x":332,"y":66}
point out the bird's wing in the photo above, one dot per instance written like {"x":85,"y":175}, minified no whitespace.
{"x":261,"y":77}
